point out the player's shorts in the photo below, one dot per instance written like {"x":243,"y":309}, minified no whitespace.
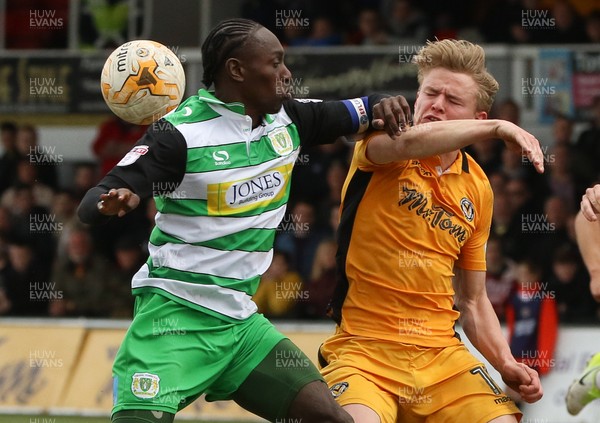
{"x":409,"y":384}
{"x":172,"y":354}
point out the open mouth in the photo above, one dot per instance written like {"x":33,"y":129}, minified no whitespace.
{"x":431,"y":118}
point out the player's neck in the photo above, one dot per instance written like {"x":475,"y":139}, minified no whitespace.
{"x":447,"y":159}
{"x":232,"y":96}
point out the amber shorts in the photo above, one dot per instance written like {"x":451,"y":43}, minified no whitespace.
{"x":408,"y":384}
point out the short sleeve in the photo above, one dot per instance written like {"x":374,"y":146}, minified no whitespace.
{"x":472,"y":254}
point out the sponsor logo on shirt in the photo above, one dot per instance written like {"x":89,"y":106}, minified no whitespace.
{"x":221,"y":158}
{"x":436,"y":216}
{"x":247,"y":194}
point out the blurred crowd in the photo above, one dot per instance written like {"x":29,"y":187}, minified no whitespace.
{"x":52,"y":265}
{"x":103,"y":23}
{"x":379,"y":22}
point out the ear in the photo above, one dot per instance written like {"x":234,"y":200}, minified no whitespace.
{"x":481,"y":115}
{"x":234,"y":69}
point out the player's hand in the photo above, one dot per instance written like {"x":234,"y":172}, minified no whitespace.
{"x":391,"y":114}
{"x":524,"y":380}
{"x":118,"y":201}
{"x":595,"y":287}
{"x":590,"y":203}
{"x":519,"y":139}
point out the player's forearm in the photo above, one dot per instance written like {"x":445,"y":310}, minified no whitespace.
{"x":588,"y":240}
{"x":88,"y":211}
{"x":430,"y":139}
{"x":481,"y":325}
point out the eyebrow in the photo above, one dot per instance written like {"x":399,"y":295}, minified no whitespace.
{"x":449,"y":95}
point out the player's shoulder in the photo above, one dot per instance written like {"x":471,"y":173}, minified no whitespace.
{"x":192,"y":110}
{"x":475,"y":172}
{"x":471,"y":166}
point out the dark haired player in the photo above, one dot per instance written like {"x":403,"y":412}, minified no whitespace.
{"x":219,"y":169}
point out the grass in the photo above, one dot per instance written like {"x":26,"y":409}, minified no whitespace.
{"x":59,"y":419}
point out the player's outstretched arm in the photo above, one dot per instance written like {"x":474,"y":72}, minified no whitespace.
{"x":588,"y":240}
{"x":155,"y":166}
{"x":481,"y":326}
{"x":432,"y":138}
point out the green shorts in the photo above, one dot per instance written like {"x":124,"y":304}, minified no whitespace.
{"x":172,"y":354}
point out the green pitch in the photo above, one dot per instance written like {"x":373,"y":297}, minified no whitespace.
{"x":59,"y":419}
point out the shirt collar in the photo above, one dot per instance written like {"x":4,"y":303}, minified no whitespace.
{"x":236,"y":107}
{"x":209,"y":97}
{"x":460,"y":165}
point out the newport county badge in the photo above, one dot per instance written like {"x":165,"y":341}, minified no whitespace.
{"x":145,"y":385}
{"x":281,"y":141}
{"x":467,"y":208}
{"x":338,"y":389}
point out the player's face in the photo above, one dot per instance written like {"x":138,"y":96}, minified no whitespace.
{"x":447,"y":95}
{"x":266,"y":78}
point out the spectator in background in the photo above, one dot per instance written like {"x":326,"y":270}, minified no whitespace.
{"x":512,"y":165}
{"x":10,"y":154}
{"x":300,"y":237}
{"x":5,"y":304}
{"x":588,"y":143}
{"x":114,"y":139}
{"x":501,"y":22}
{"x":28,"y":148}
{"x":592,"y":26}
{"x":551,"y":232}
{"x":280,"y":289}
{"x":532,"y":319}
{"x":372,"y":30}
{"x":500,"y":276}
{"x":5,"y":225}
{"x":335,"y":177}
{"x":311,"y":170}
{"x":129,"y":257}
{"x":85,"y":177}
{"x":406,"y":21}
{"x":487,"y":154}
{"x":27,"y":174}
{"x":559,"y":176}
{"x":83,"y":278}
{"x":24,"y":283}
{"x":35,"y":225}
{"x":502,"y":225}
{"x":562,"y":131}
{"x":523,"y":210}
{"x":569,"y":26}
{"x":322,"y":280}
{"x":570,"y":284}
{"x":64,"y":209}
{"x":323,"y":33}
{"x":498,"y":182}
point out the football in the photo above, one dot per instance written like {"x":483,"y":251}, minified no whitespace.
{"x":142,"y":81}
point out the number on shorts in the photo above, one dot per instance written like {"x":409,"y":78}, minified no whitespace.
{"x":486,"y":377}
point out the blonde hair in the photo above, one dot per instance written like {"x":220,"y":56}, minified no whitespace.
{"x":459,"y":56}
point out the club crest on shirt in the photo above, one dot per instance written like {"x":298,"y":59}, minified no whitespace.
{"x":145,"y":385}
{"x":467,"y":208}
{"x":338,"y":389}
{"x":281,"y":141}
